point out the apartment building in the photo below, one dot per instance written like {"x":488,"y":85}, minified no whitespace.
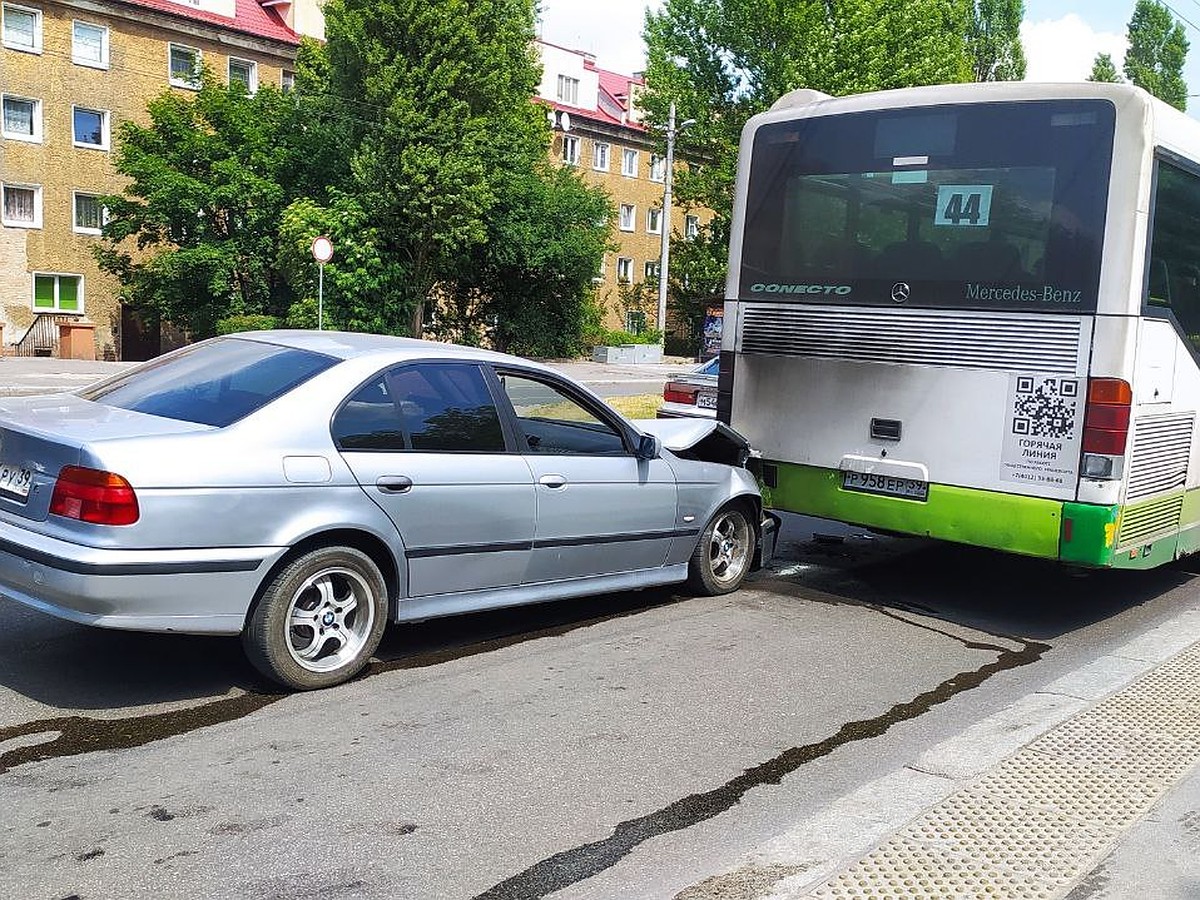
{"x":599,"y":129}
{"x":70,"y":72}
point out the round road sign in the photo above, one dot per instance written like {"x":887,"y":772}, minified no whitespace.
{"x":322,"y":249}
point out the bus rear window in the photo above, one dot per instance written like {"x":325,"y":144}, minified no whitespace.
{"x":987,"y":206}
{"x":212,"y":383}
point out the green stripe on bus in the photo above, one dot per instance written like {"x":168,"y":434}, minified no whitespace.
{"x":1027,"y":525}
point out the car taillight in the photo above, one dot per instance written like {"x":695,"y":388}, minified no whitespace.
{"x":1106,"y":427}
{"x":676,"y":392}
{"x":90,"y":495}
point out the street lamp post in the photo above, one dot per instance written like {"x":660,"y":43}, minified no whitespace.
{"x":664,"y":259}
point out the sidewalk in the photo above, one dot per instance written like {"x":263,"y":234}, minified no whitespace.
{"x":21,"y":375}
{"x":1086,"y":789}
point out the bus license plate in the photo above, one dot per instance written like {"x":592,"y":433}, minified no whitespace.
{"x":887,"y":485}
{"x":14,"y":480}
{"x":706,"y":400}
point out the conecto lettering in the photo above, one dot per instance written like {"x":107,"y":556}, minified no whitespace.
{"x":764,"y":288}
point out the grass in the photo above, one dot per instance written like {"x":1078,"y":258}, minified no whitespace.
{"x":639,"y":406}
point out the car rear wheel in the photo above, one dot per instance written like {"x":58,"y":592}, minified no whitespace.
{"x":723,"y":556}
{"x":319,"y":620}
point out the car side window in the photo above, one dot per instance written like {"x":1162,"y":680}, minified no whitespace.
{"x":424,"y":408}
{"x":553,"y":422}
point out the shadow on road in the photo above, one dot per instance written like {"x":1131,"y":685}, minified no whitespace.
{"x":993,"y":592}
{"x":70,"y":667}
{"x":73,"y":667}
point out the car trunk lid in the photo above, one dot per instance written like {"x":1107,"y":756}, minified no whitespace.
{"x":40,"y":435}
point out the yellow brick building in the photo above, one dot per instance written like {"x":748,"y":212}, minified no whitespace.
{"x":70,"y":72}
{"x":598,"y":128}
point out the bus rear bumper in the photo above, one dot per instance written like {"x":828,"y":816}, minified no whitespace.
{"x":1078,"y":533}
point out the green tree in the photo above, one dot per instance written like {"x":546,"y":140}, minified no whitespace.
{"x":994,"y":40}
{"x":723,"y":61}
{"x":528,"y":286}
{"x":1157,"y":51}
{"x":193,"y":238}
{"x":1103,"y":69}
{"x":445,"y":88}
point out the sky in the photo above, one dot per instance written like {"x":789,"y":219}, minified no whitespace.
{"x":1061,"y":37}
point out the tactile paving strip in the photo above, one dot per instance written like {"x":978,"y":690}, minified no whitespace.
{"x":1033,"y":825}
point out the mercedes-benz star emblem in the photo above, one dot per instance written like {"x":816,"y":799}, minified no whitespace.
{"x":900,"y":291}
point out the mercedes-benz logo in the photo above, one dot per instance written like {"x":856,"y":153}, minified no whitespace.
{"x":900,"y":291}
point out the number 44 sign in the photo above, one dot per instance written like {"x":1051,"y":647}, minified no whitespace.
{"x":963,"y":204}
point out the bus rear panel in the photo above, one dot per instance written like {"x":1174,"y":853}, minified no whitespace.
{"x":914,"y":318}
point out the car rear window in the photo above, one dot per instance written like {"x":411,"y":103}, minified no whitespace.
{"x":213,"y":383}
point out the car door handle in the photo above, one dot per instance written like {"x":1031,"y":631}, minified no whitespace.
{"x":394,"y":484}
{"x":554,"y":482}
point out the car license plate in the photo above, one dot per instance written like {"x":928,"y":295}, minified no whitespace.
{"x":887,"y":485}
{"x":706,"y":400}
{"x":14,"y":480}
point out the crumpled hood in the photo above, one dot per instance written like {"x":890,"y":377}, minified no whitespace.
{"x":679,"y":435}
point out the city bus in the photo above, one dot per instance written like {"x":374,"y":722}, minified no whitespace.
{"x":972,"y":313}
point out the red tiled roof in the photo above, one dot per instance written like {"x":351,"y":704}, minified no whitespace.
{"x":249,"y":18}
{"x":596,"y":115}
{"x":617,"y":84}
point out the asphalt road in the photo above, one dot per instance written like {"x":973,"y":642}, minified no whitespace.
{"x":624,"y":746}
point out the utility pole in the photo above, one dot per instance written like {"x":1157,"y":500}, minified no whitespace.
{"x":664,"y":259}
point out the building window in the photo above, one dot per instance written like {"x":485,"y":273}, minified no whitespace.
{"x":89,"y":45}
{"x":245,"y":73}
{"x":22,"y":28}
{"x":184,"y":66}
{"x":651,"y":271}
{"x":22,"y":119}
{"x":90,"y":127}
{"x":654,"y":221}
{"x":658,"y":168}
{"x":568,"y":90}
{"x":287,"y":81}
{"x":600,"y":272}
{"x":22,"y":206}
{"x":57,"y":293}
{"x":635,"y":321}
{"x":624,"y":269}
{"x":570,"y":151}
{"x":691,"y":227}
{"x":89,"y":214}
{"x":629,"y":163}
{"x":628,"y":217}
{"x":600,"y":157}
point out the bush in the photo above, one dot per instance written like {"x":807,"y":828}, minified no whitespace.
{"x":606,"y":338}
{"x":246,"y":323}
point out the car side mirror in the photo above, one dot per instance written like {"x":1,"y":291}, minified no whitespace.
{"x":649,"y":447}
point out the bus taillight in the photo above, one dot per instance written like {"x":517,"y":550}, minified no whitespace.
{"x":1106,"y":427}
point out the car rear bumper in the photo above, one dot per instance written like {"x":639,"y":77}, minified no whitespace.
{"x":195,"y":591}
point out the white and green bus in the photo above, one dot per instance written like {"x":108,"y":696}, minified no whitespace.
{"x":972,"y":312}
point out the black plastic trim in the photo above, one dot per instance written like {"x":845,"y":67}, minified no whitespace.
{"x":84,"y":568}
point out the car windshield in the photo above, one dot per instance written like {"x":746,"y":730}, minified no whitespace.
{"x":213,"y":383}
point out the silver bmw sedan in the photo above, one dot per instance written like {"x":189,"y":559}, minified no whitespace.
{"x":302,"y":489}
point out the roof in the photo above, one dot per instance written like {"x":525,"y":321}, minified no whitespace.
{"x":614,"y":95}
{"x":249,"y":18}
{"x":352,"y":344}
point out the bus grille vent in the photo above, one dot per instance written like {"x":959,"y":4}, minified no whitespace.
{"x":1162,"y":446}
{"x":1150,"y":520}
{"x":1042,"y":343}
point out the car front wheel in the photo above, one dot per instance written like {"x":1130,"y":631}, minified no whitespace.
{"x":724,"y":554}
{"x":319,"y":620}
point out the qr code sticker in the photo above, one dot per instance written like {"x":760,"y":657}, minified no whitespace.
{"x":1045,"y":407}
